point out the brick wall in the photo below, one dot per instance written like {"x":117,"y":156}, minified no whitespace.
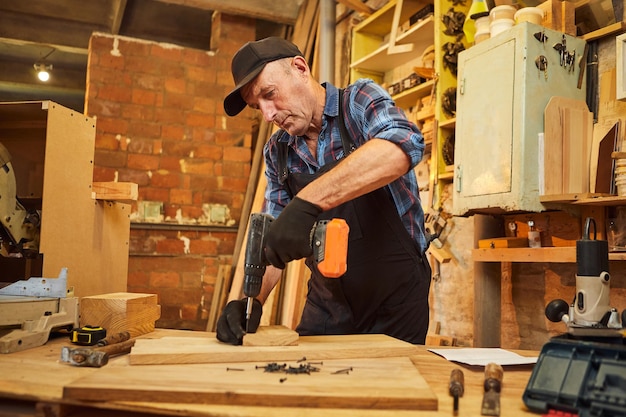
{"x":161,"y":124}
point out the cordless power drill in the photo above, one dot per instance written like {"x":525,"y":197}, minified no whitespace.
{"x":329,"y":244}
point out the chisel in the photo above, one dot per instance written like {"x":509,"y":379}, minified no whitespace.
{"x":493,"y":384}
{"x":456,"y":388}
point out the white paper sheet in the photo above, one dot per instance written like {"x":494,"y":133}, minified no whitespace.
{"x":483,"y":356}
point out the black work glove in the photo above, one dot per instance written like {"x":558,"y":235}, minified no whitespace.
{"x":232,"y":323}
{"x":289,"y":236}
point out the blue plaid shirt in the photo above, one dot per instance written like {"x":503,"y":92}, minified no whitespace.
{"x":372,"y":115}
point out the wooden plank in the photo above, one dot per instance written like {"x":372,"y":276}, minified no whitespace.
{"x":358,"y":6}
{"x":120,"y":191}
{"x":271,"y":336}
{"x":207,"y":349}
{"x":552,"y":149}
{"x":389,"y":383}
{"x":218,"y":300}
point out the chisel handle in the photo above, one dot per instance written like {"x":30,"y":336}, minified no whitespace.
{"x":494,"y":374}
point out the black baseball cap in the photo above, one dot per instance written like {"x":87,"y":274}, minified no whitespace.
{"x":249,"y":61}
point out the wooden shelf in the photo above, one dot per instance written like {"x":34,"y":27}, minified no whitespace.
{"x":565,"y":254}
{"x":380,"y":61}
{"x":585,"y":199}
{"x":408,"y":98}
{"x":448,"y":124}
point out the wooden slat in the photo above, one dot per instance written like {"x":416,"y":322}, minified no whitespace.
{"x":115,"y":191}
{"x":218,"y":300}
{"x":207,"y":349}
{"x":358,"y":6}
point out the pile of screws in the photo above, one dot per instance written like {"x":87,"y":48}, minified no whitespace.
{"x":303,"y":368}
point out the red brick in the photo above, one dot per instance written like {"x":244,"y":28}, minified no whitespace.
{"x":164,"y":279}
{"x":165,"y":179}
{"x":105,"y":108}
{"x":141,"y":161}
{"x":101,"y":173}
{"x":172,"y":132}
{"x":171,"y":115}
{"x":189,"y":312}
{"x":139,"y":177}
{"x":175,"y":85}
{"x":130,"y":47}
{"x":201,"y":73}
{"x":115,"y":93}
{"x":111,"y":125}
{"x":200,"y":119}
{"x":191,"y":280}
{"x":202,"y":167}
{"x":138,"y":145}
{"x":194,"y":211}
{"x":149,"y":82}
{"x":196,"y":57}
{"x":154,"y":194}
{"x":143,"y":97}
{"x":144,"y":129}
{"x":170,"y":53}
{"x":237,"y":154}
{"x":235,"y":169}
{"x":139,"y":279}
{"x":205,"y":247}
{"x":170,"y":246}
{"x":111,"y":61}
{"x":212,"y":152}
{"x":178,"y":148}
{"x":171,"y":163}
{"x":107,"y":141}
{"x":109,"y":158}
{"x":136,"y":112}
{"x":178,"y":101}
{"x":180,"y":196}
{"x":235,"y":184}
{"x":203,"y":135}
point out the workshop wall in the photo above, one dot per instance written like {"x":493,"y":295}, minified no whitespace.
{"x":161,"y":124}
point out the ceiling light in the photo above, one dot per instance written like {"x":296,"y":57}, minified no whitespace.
{"x":43,"y":71}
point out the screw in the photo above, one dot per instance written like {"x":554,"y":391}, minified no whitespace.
{"x":301,"y":360}
{"x":282,"y":380}
{"x":343,"y":371}
{"x":234,"y":369}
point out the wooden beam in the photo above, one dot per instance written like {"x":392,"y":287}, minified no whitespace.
{"x":271,"y":10}
{"x":118,"y":191}
{"x":118,"y":8}
{"x":358,"y":6}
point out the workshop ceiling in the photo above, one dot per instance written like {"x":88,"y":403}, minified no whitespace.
{"x":57,"y":32}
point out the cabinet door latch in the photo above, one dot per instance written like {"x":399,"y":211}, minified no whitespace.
{"x":457,"y":178}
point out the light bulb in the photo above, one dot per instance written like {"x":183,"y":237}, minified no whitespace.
{"x":43,"y":75}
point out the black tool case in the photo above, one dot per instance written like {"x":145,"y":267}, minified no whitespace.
{"x":587,"y":378}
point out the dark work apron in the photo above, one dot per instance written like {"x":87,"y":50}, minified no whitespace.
{"x":385,"y":289}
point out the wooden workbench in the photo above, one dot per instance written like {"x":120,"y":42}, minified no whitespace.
{"x":32,"y":383}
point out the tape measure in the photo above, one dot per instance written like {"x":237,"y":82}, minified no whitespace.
{"x":88,"y":335}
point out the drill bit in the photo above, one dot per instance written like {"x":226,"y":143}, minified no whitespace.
{"x":456,"y":388}
{"x":249,"y":303}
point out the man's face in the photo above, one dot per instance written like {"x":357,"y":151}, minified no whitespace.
{"x":280,"y":93}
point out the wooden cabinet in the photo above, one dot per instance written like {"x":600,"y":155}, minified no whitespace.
{"x":501,"y":97}
{"x":52,"y":151}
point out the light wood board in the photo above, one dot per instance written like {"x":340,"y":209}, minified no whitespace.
{"x":271,"y":336}
{"x":568,"y":127}
{"x":389,"y":383}
{"x":207,"y":349}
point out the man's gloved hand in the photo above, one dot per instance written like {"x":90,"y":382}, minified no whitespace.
{"x":289,"y":236}
{"x":232,"y":322}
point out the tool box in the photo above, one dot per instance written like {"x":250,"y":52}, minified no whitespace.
{"x":579,"y":377}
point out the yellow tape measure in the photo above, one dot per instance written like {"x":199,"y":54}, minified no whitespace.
{"x":88,"y":335}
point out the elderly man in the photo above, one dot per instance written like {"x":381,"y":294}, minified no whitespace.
{"x":340,"y":153}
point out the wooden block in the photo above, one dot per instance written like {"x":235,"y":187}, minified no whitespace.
{"x":118,"y":312}
{"x":118,"y":191}
{"x":503,"y":242}
{"x":559,"y":15}
{"x":271,"y":336}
